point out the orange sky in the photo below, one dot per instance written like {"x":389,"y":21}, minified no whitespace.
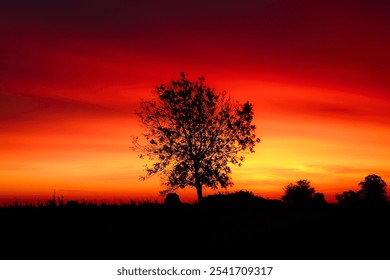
{"x":71,"y":75}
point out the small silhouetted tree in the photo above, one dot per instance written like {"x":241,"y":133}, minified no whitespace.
{"x":299,"y":194}
{"x":193,"y":134}
{"x":349,"y":198}
{"x":373,"y":190}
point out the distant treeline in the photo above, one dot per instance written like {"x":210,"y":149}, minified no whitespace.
{"x":301,"y":195}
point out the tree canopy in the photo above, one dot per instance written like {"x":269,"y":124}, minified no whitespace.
{"x":193,"y":134}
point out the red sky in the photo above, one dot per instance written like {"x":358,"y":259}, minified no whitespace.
{"x":72,"y":73}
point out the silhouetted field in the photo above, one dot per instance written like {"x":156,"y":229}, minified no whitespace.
{"x":220,"y":229}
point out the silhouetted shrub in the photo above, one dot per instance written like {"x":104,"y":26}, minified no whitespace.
{"x":319,"y":200}
{"x":172,"y":199}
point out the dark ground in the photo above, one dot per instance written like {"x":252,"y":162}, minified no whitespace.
{"x":153,"y":231}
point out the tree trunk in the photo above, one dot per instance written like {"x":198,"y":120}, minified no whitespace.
{"x":199,"y":192}
{"x":198,"y":184}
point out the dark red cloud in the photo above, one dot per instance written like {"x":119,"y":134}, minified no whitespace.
{"x":21,"y":112}
{"x":343,"y":43}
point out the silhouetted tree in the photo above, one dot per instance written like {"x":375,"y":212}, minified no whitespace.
{"x":349,"y":198}
{"x":299,"y":194}
{"x":373,"y":190}
{"x":72,"y":204}
{"x":193,"y":133}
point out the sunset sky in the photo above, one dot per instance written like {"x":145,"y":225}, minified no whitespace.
{"x":73,"y":72}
